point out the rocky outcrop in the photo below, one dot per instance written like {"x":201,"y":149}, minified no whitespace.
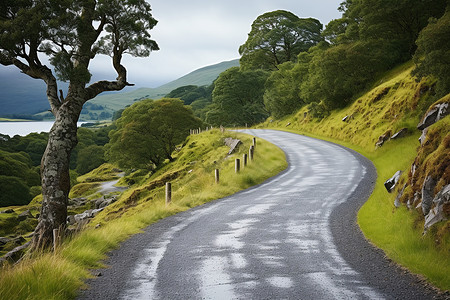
{"x":426,"y":187}
{"x":436,"y":113}
{"x":402,"y":133}
{"x":383,"y":138}
{"x":440,"y":210}
{"x":233,"y":144}
{"x":391,"y":182}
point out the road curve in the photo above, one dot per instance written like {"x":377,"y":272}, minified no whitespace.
{"x":292,"y":237}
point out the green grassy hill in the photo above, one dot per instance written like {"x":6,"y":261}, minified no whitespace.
{"x":396,"y":102}
{"x":203,"y":76}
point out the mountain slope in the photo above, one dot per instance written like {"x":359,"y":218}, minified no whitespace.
{"x":22,"y":95}
{"x":200,"y":77}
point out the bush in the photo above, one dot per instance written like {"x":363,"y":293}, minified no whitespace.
{"x":13,"y":191}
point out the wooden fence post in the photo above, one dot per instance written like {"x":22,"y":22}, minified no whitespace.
{"x":237,"y":165}
{"x":216,"y":175}
{"x":250,"y":153}
{"x":168,"y":193}
{"x":244,"y":160}
{"x":254,"y":142}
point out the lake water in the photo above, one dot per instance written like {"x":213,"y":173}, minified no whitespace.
{"x":24,"y":128}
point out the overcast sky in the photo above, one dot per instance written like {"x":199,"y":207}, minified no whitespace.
{"x":197,"y":33}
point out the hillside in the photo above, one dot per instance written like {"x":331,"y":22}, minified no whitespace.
{"x":16,"y":100}
{"x":410,"y":222}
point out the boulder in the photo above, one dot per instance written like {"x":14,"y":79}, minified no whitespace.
{"x":88,"y":214}
{"x":427,"y":194}
{"x":397,"y":202}
{"x":233,"y":144}
{"x":382,"y":139}
{"x":437,"y":214}
{"x":403,"y":132}
{"x":391,"y":182}
{"x":432,"y":116}
{"x":24,"y":215}
{"x":7,"y":211}
{"x":423,"y":137}
{"x":344,"y":118}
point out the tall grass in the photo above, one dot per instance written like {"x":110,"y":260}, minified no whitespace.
{"x":60,"y":275}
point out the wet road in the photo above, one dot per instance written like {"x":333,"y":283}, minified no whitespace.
{"x":270,"y":242}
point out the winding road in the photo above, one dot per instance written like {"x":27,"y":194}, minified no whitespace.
{"x":292,"y":237}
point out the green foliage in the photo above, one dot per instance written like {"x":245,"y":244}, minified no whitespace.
{"x":191,"y":93}
{"x":238,"y":98}
{"x":148,"y":132}
{"x":398,"y":21}
{"x":19,"y":165}
{"x":90,"y":158}
{"x":433,"y":53}
{"x":13,"y":191}
{"x":277,"y":37}
{"x":336,"y":74}
{"x":282,"y":89}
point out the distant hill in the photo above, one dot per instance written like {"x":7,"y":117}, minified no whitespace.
{"x":200,"y":77}
{"x":21,"y":95}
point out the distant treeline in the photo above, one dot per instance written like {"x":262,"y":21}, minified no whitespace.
{"x":22,"y":117}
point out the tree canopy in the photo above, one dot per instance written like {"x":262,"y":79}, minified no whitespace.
{"x":148,"y":131}
{"x":238,"y":98}
{"x":277,"y":37}
{"x":433,"y":53}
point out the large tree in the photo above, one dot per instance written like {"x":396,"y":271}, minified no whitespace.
{"x":71,"y":34}
{"x":433,"y":53}
{"x":238,"y":98}
{"x":148,"y":132}
{"x":277,"y":37}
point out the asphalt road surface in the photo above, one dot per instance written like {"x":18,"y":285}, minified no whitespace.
{"x":292,"y":237}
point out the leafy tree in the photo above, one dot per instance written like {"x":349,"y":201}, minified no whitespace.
{"x":18,"y":165}
{"x":13,"y":191}
{"x":71,"y":34}
{"x":433,"y":53}
{"x":148,"y":132}
{"x":191,"y":93}
{"x":277,"y":37}
{"x":89,"y":158}
{"x":336,"y":74}
{"x":396,"y":21}
{"x":282,"y":94}
{"x":238,"y":98}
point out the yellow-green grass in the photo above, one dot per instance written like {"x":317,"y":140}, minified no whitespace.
{"x":397,"y":102}
{"x":59,"y":275}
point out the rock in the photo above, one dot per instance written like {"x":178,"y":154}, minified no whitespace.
{"x":15,"y":254}
{"x":403,"y":132}
{"x":4,"y":240}
{"x":397,"y":202}
{"x":25,"y":215}
{"x":71,"y":220}
{"x":288,"y":124}
{"x":443,"y":111}
{"x":232,"y":143}
{"x":344,"y":118}
{"x":427,"y":194}
{"x":7,"y":211}
{"x":391,"y":182}
{"x":90,"y":213}
{"x":432,"y":116}
{"x":423,"y":137}
{"x":437,"y":214}
{"x":382,"y":139}
{"x":104,"y":202}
